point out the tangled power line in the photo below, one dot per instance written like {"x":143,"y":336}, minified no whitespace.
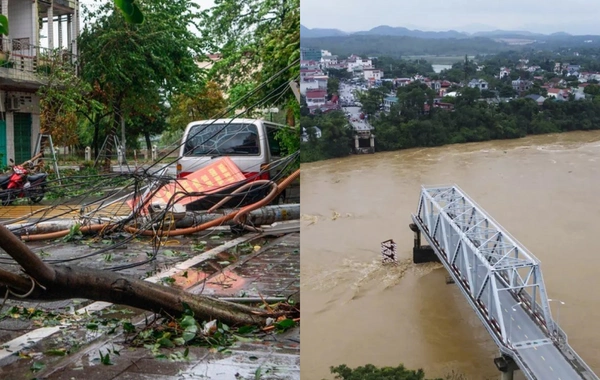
{"x":97,"y":214}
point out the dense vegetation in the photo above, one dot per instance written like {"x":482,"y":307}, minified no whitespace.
{"x":335,"y":140}
{"x":396,"y":46}
{"x":371,"y":372}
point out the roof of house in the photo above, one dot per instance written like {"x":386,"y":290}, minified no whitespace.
{"x":535,"y":97}
{"x":315,"y":94}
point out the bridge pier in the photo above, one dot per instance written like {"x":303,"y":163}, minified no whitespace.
{"x":507,"y":367}
{"x":422,"y":253}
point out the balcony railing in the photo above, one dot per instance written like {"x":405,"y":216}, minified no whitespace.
{"x":22,"y":56}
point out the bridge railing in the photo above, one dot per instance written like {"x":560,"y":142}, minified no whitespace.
{"x":485,"y":258}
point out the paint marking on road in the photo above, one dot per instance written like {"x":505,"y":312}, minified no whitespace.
{"x":526,"y":337}
{"x":506,"y":310}
{"x":535,"y":348}
{"x":512,"y":318}
{"x":550,"y":368}
{"x":519,"y":327}
{"x":542,"y":358}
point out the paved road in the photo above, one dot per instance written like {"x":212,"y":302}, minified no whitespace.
{"x":354,"y":117}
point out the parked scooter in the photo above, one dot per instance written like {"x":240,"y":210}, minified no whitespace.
{"x":23,"y":182}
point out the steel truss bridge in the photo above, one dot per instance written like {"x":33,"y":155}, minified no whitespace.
{"x":502,"y":282}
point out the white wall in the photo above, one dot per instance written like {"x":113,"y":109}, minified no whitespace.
{"x":304,"y":86}
{"x":21,"y":23}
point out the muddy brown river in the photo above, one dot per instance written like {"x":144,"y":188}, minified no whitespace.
{"x":543,"y":189}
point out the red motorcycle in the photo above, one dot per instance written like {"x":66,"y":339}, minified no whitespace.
{"x":23,"y":182}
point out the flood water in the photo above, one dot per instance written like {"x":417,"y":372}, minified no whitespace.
{"x":543,"y":189}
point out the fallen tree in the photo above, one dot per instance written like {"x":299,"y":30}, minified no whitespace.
{"x":48,"y":282}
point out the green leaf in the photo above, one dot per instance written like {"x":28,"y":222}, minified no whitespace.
{"x":187,"y":321}
{"x":3,"y":25}
{"x":126,"y":6}
{"x":37,"y":366}
{"x":187,"y":310}
{"x":179,"y":341}
{"x":92,"y":326}
{"x":285,"y":324}
{"x":188,"y":335}
{"x":128,"y":327}
{"x":165,"y":342}
{"x":136,"y":17}
{"x":246,"y":330}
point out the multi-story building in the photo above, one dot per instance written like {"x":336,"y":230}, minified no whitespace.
{"x":307,"y":54}
{"x":22,"y":59}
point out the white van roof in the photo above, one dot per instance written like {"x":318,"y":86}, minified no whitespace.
{"x":220,"y":121}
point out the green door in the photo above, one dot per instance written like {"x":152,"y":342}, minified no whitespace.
{"x":22,"y":137}
{"x":3,"y":143}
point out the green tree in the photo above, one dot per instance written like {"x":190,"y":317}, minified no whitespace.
{"x":256,"y":39}
{"x":63,"y":97}
{"x":200,"y":102}
{"x":333,"y":86}
{"x":339,"y":74}
{"x":131,"y":64}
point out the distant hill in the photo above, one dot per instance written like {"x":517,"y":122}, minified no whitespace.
{"x":385,"y":30}
{"x":317,"y":33}
{"x":507,"y":34}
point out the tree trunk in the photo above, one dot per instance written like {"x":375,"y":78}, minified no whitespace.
{"x":64,"y":282}
{"x":148,"y":142}
{"x":96,"y":137}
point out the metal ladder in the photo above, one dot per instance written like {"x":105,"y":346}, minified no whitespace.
{"x":40,"y":146}
{"x":107,"y":152}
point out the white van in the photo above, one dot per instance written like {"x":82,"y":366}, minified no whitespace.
{"x":250,"y":143}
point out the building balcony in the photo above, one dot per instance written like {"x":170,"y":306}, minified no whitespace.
{"x":24,"y":66}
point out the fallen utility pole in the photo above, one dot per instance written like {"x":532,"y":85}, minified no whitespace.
{"x":263,"y":216}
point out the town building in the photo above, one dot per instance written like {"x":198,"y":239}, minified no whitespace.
{"x":479,"y":83}
{"x":22,"y":62}
{"x":307,"y":54}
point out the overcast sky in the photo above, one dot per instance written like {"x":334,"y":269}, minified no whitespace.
{"x":548,"y":16}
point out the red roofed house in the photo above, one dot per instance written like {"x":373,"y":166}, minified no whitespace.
{"x":315,"y":97}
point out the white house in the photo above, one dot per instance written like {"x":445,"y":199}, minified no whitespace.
{"x":305,"y":136}
{"x":372,"y":74}
{"x":479,"y":83}
{"x":356,"y":63}
{"x":19,"y":79}
{"x":504,"y":72}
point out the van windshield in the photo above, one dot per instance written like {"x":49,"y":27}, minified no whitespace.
{"x":221,"y":139}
